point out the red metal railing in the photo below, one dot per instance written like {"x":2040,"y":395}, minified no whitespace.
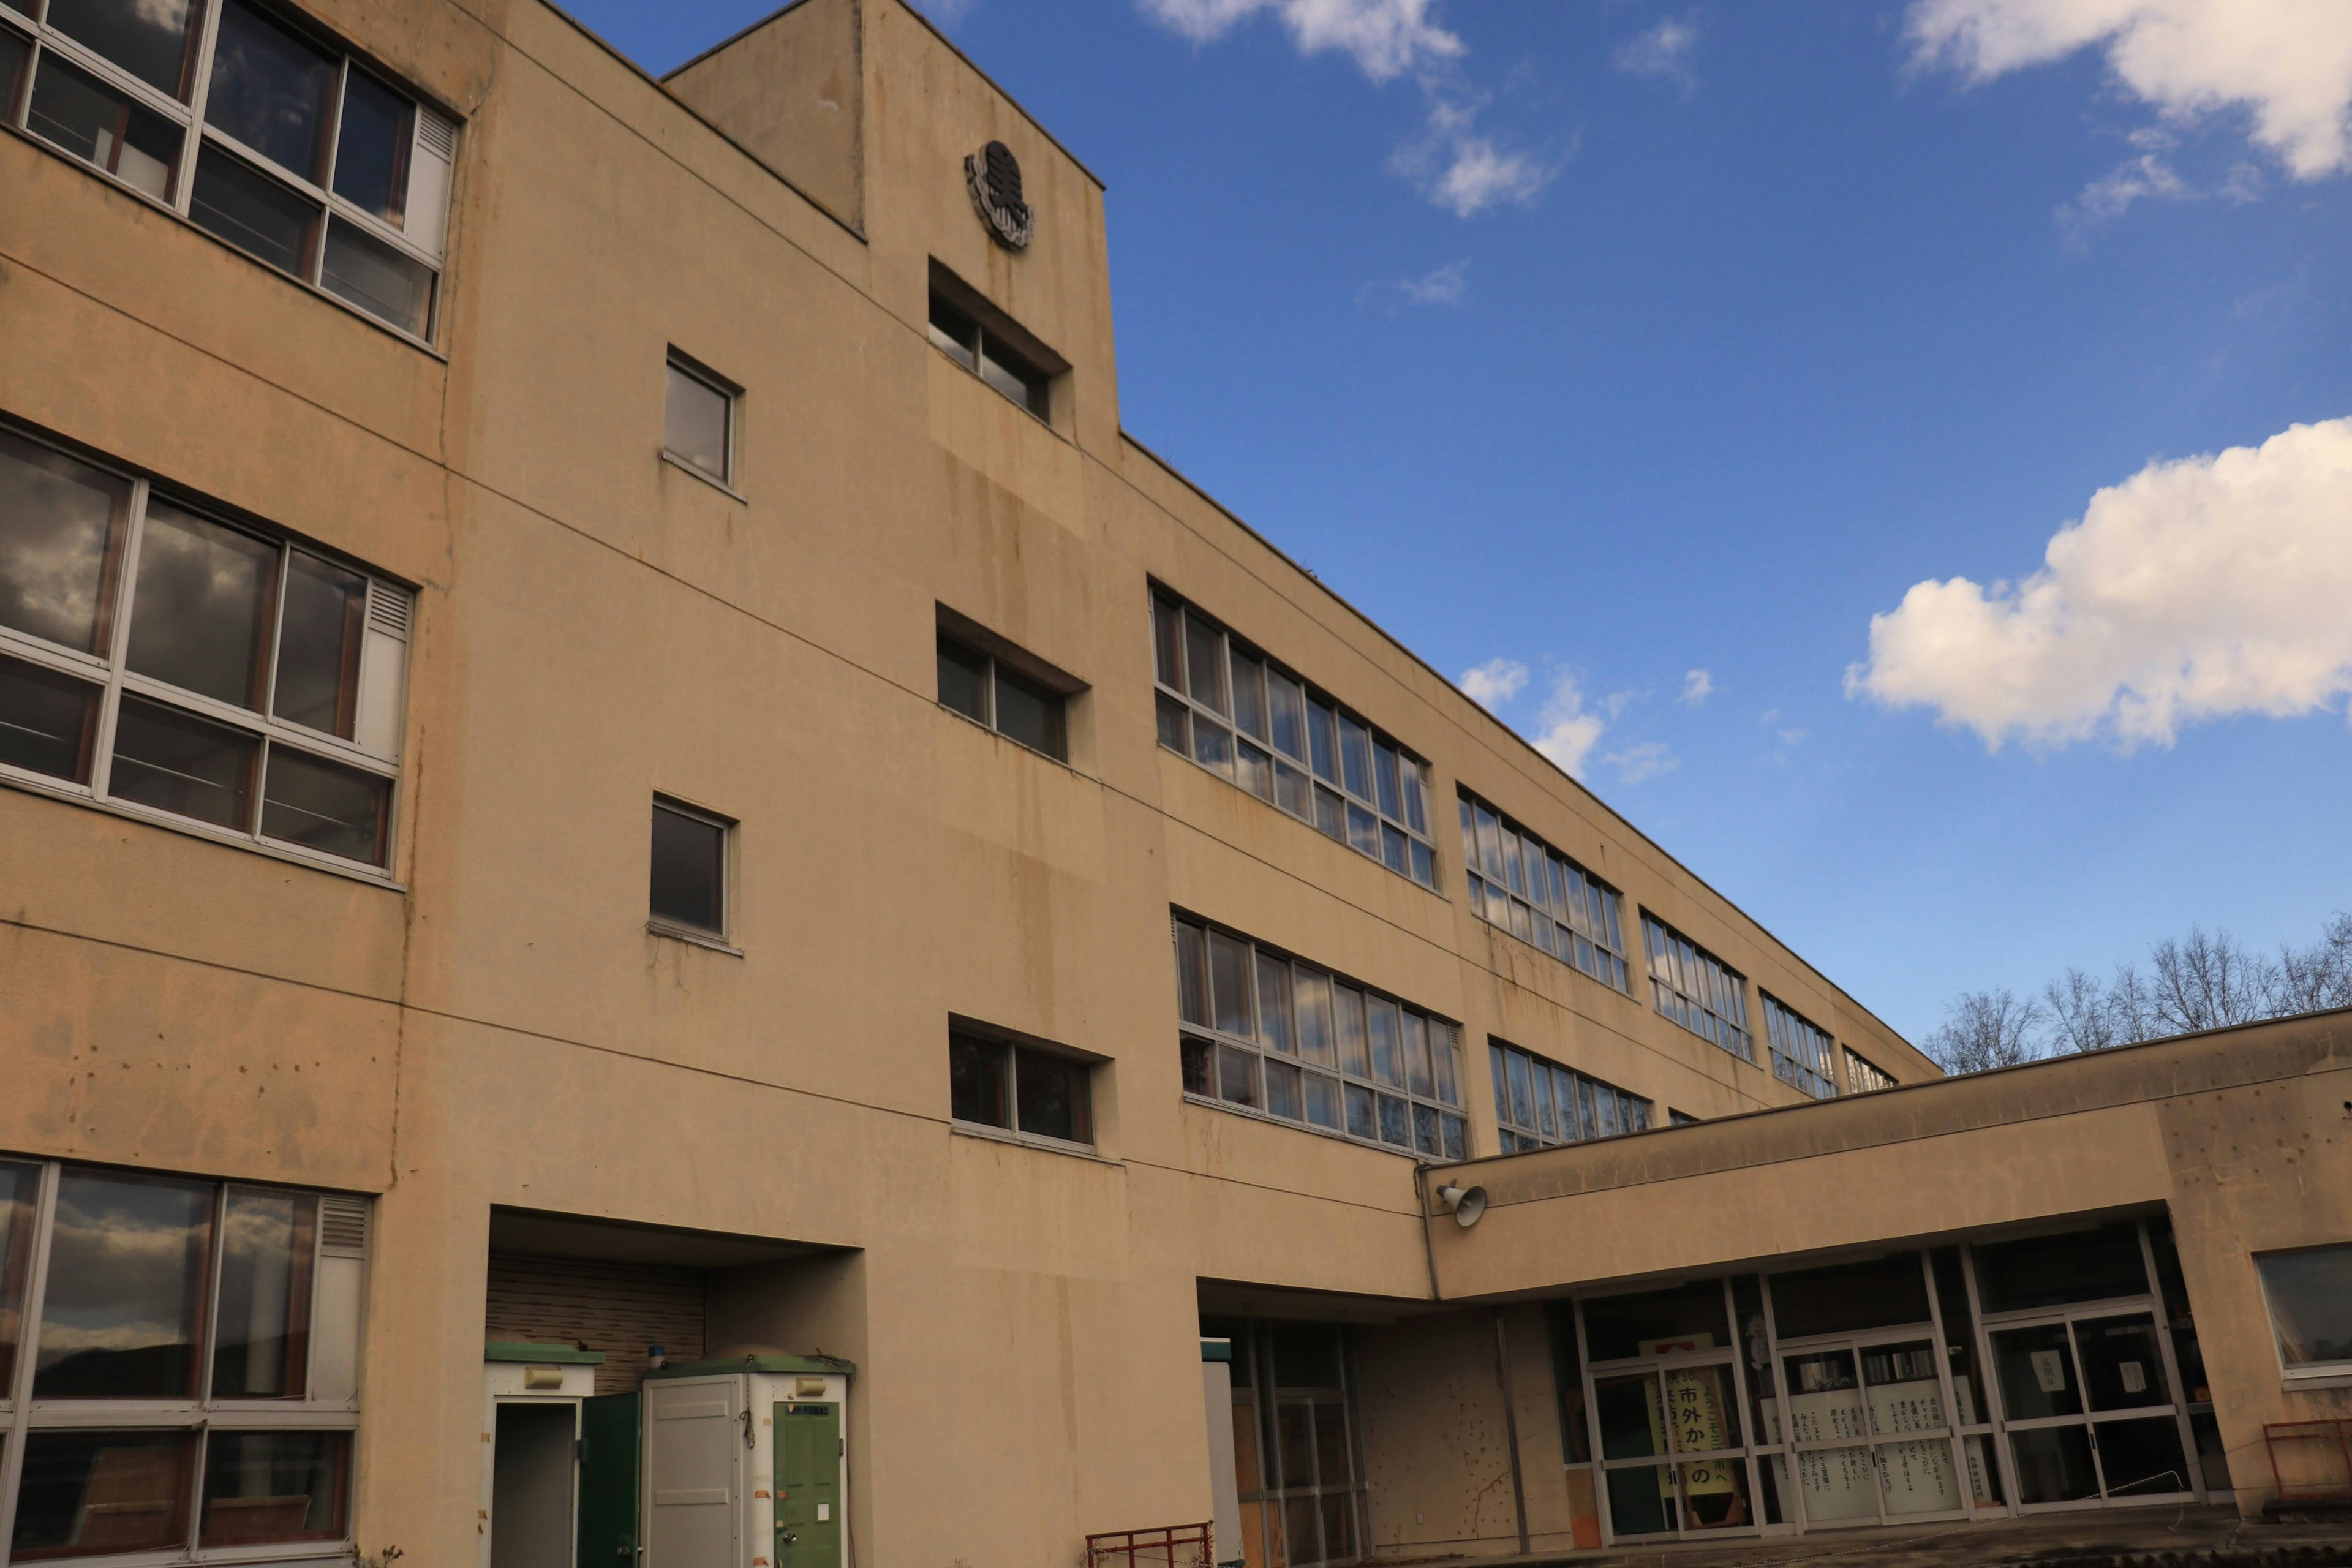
{"x":1173,"y":1546}
{"x":2318,"y":1459}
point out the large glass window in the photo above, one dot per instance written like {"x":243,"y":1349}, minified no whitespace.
{"x":1802,"y":1054}
{"x":1020,"y":1088}
{"x":1538,"y":1104}
{"x":1697,"y":989}
{"x":1266,"y":1034}
{"x":1528,"y":888}
{"x":2310,"y":1295}
{"x":235,"y":116}
{"x":1861,"y":1077}
{"x":157,"y":657}
{"x":194,"y":1350}
{"x":1241,"y":716}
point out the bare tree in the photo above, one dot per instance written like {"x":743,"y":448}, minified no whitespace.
{"x":2208,"y":982}
{"x":2131,"y":1007}
{"x":2081,"y":1014}
{"x":2308,"y":979}
{"x":1986,"y":1029}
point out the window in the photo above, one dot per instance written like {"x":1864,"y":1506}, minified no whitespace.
{"x":1247,"y":718}
{"x":1020,"y":1088}
{"x":2310,"y":1294}
{"x":1802,"y":1055}
{"x":1539,"y":1103}
{"x":698,"y":420}
{"x":991,"y":682}
{"x":139,"y":1437}
{"x":689,"y":870}
{"x":1693,"y":987}
{"x":1862,"y":1077}
{"x":969,"y":331}
{"x":1263,"y":1033}
{"x":156,"y":658}
{"x":1526,"y":887}
{"x":285,"y":147}
{"x":1680,"y":1119}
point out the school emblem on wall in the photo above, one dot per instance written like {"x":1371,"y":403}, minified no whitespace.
{"x":994,"y":176}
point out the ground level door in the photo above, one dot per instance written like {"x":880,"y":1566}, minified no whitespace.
{"x":1869,"y":1432}
{"x":2091,"y":1411}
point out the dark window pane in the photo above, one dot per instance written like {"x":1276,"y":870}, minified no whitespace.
{"x":1014,"y":377}
{"x":1394,"y":1122}
{"x":1282,"y":1092}
{"x":2053,"y":1464}
{"x":88,"y":1494}
{"x":366,"y":272}
{"x":253,"y":212}
{"x":180,"y":764}
{"x":318,"y":650}
{"x":19,"y":1184}
{"x":1249,"y":695}
{"x":46,"y":721}
{"x":1363,"y":830}
{"x":1229,"y":965}
{"x":2036,"y":1367}
{"x":1051,"y":1092}
{"x":1200,"y":1067}
{"x":1237,"y":1075}
{"x":270,"y":91}
{"x":1323,"y":743}
{"x":200,"y":612}
{"x":690,"y":875}
{"x":1273,"y":1002}
{"x":95,"y":122}
{"x":954,"y":332}
{"x":1356,"y":757}
{"x":1425,"y":1131}
{"x":1456,"y":1139}
{"x":2142,"y":1458}
{"x":1204,"y":664}
{"x":1348,"y":1014}
{"x":1388,"y":1045}
{"x":695,"y":417}
{"x":13,"y":52}
{"x":325,"y":805}
{"x":1391,"y":795}
{"x":1361,"y":1121}
{"x":2311,"y":1304}
{"x":1029,"y":714}
{"x":148,"y":39}
{"x":1192,"y":974}
{"x":2050,"y":1270}
{"x":1253,"y":770}
{"x":1168,"y":644}
{"x":373,"y":147}
{"x":976,"y":1080}
{"x":261,"y":1487}
{"x":1617,"y":1326}
{"x":1322,"y":1101}
{"x":262,"y":1347}
{"x":120,"y":1318}
{"x":1292,"y":792}
{"x":1880,"y":1293}
{"x":963,"y":680}
{"x":1331,"y":817}
{"x":1175,"y":725}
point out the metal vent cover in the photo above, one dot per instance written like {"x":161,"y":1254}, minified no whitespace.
{"x":388,"y":609}
{"x":437,"y":133}
{"x":343,"y":1225}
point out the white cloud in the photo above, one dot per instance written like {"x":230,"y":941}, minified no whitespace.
{"x":1461,"y":168}
{"x":1445,"y":285}
{"x":1494,"y":682}
{"x":1647,"y":759}
{"x":2287,"y":63}
{"x":1568,"y":733}
{"x":2148,"y":176}
{"x":1698,"y":685}
{"x":2196,"y":589}
{"x":1385,"y":38}
{"x":1662,"y":53}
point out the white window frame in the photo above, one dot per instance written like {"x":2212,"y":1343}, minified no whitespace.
{"x":21,"y":1415}
{"x":979,"y":1034}
{"x":1518,"y":1136}
{"x":1671,"y":958}
{"x":730,"y":397}
{"x":1550,"y":922}
{"x":434,"y":139}
{"x":1791,"y":1038}
{"x":2323,"y":1373}
{"x":723,"y":938}
{"x":384,"y":638}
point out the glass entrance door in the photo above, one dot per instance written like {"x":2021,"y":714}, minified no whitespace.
{"x":1673,"y":1455}
{"x":1869,"y":1431}
{"x":2091,"y":1414}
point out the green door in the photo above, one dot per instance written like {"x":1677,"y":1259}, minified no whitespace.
{"x":808,"y":1485}
{"x":609,"y":1437}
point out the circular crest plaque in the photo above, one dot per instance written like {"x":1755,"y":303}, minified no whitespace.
{"x":994,"y":176}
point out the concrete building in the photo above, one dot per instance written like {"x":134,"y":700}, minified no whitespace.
{"x":658,"y":892}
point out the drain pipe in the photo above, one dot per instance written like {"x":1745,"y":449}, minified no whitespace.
{"x":1511,"y":1430}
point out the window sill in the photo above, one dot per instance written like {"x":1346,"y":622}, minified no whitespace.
{"x":721,"y":486}
{"x":1064,"y":763}
{"x":693,"y":938}
{"x":2301,"y":1382}
{"x":983,"y":1131}
{"x":1045,"y":423}
{"x":76,"y":794}
{"x":189,"y":224}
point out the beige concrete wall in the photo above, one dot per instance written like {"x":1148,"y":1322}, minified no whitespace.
{"x":790,"y":91}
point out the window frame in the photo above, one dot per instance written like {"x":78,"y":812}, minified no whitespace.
{"x":388,"y":601}
{"x":1514,"y":1136}
{"x":188,"y":118}
{"x":730,"y":397}
{"x":23,"y":1415}
{"x":1000,"y":657}
{"x":965,"y":1030}
{"x":1872,"y":1078}
{"x":1788,"y":1064}
{"x":1670,"y":952}
{"x":1017,"y":353}
{"x":1487,"y":880}
{"x":723,"y":938}
{"x":1448,"y":1117}
{"x":1415,"y":775}
{"x":2319,"y":1373}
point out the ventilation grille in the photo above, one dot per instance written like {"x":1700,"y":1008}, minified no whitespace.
{"x":343,"y":1227}
{"x":436,"y":134}
{"x":388,"y":609}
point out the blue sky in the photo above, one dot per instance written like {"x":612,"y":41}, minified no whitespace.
{"x":1595,"y":342}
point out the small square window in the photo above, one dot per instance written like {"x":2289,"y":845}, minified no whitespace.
{"x":690,"y":868}
{"x":698,"y":420}
{"x":1020,"y":1088}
